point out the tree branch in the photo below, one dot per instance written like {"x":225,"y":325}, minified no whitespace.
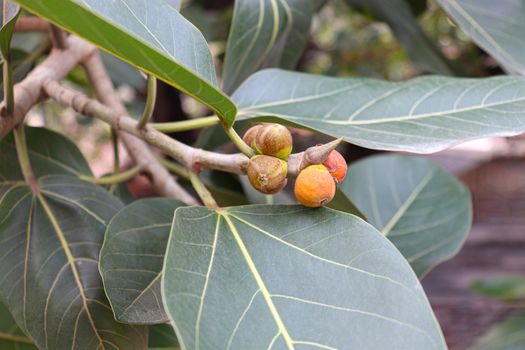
{"x":193,"y":158}
{"x":29,"y":91}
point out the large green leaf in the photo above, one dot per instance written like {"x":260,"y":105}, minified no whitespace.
{"x":9,"y":13}
{"x":49,"y":250}
{"x":11,"y":337}
{"x":399,"y":16}
{"x":150,"y":34}
{"x":258,"y":277}
{"x":422,"y":209}
{"x":50,"y":153}
{"x":131,"y":259}
{"x":496,"y":26}
{"x":270,"y":33}
{"x":507,"y":335}
{"x":422,"y":115}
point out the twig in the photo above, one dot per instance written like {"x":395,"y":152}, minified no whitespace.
{"x":162,"y":180}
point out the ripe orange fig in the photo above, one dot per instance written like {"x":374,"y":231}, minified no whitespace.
{"x":267,"y":174}
{"x":314,"y":186}
{"x":336,"y":165}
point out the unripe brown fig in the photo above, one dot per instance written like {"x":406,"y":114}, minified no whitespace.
{"x":336,"y":166}
{"x":267,"y":174}
{"x":249,"y":135}
{"x":314,"y":186}
{"x":269,"y":139}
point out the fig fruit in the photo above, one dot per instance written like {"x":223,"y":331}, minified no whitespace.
{"x":267,"y":174}
{"x":314,"y":186}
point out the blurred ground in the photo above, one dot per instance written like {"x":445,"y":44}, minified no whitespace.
{"x":495,"y":246}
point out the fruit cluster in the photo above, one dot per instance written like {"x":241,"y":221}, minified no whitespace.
{"x":315,"y":185}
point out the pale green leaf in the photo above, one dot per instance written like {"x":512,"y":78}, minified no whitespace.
{"x":50,"y":243}
{"x":423,"y":210}
{"x":507,"y":335}
{"x":11,"y":337}
{"x":422,"y":115}
{"x":496,"y":26}
{"x":131,"y":259}
{"x":507,"y":288}
{"x":269,"y":33}
{"x":150,"y":34}
{"x":288,"y":277}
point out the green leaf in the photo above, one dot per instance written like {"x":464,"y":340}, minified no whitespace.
{"x":131,"y":259}
{"x":11,"y":337}
{"x":50,"y":153}
{"x":501,"y":287}
{"x":265,"y":34}
{"x":150,"y":34}
{"x":399,"y":16}
{"x":423,"y":210}
{"x":9,"y":13}
{"x":254,"y":277}
{"x":162,"y":336}
{"x":50,"y":243}
{"x":496,"y":26}
{"x":422,"y":115}
{"x":507,"y":335}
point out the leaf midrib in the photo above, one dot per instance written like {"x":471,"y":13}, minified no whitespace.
{"x":15,"y":338}
{"x":71,"y":262}
{"x":243,"y":112}
{"x":260,"y":282}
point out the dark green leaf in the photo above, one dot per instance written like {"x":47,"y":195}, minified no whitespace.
{"x":162,"y":336}
{"x":422,"y":115}
{"x":496,"y":26}
{"x":501,"y":287}
{"x":50,"y":153}
{"x":265,"y":34}
{"x":11,"y":337}
{"x":258,"y":277}
{"x":507,"y":335}
{"x":150,"y":34}
{"x":422,"y":209}
{"x":131,"y":259}
{"x":9,"y":13}
{"x":50,"y":243}
{"x":399,"y":16}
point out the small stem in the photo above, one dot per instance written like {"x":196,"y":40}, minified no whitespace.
{"x":9,"y":95}
{"x":58,"y":37}
{"x":185,"y":125}
{"x":23,"y":158}
{"x":150,"y":102}
{"x":116,"y":154}
{"x":175,"y":168}
{"x":202,"y":191}
{"x":113,"y":179}
{"x":239,"y":142}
